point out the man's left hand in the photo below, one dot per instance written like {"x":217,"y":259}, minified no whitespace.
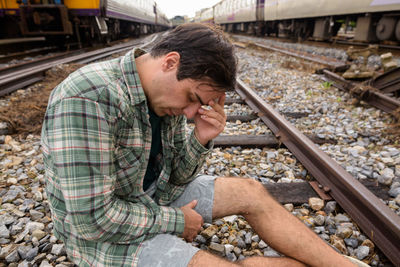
{"x":210,"y":123}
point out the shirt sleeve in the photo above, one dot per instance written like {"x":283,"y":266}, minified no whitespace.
{"x":81,"y":145}
{"x":189,"y":155}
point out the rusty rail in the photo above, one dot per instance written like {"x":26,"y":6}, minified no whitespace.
{"x":380,"y":223}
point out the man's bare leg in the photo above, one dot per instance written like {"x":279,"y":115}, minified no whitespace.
{"x":206,"y":259}
{"x":280,"y":229}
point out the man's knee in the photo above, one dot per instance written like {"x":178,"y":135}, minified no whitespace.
{"x":206,"y":259}
{"x":248,"y":194}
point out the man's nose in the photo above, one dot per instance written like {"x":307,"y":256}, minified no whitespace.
{"x":191,"y":110}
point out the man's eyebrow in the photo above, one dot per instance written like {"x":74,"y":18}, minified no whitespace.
{"x":198,"y":98}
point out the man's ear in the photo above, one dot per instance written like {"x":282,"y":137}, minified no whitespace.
{"x":170,"y":61}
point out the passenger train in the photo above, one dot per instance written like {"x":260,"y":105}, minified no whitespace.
{"x":84,"y":20}
{"x":375,"y":20}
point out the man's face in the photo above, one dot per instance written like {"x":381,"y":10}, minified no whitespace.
{"x":185,"y":97}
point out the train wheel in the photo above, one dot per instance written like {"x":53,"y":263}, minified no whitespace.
{"x":397,"y":31}
{"x":385,"y":28}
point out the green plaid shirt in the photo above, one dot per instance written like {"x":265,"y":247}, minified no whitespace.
{"x":96,"y":141}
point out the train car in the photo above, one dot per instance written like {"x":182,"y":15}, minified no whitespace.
{"x":89,"y":20}
{"x":9,"y":17}
{"x":177,"y":20}
{"x":207,"y":15}
{"x":376,"y":19}
{"x":236,"y":15}
{"x":321,"y":19}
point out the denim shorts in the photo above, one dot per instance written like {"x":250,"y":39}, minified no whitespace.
{"x":170,"y":250}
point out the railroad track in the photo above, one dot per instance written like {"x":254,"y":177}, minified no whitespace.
{"x":375,"y":219}
{"x":18,"y":76}
{"x":367,"y":93}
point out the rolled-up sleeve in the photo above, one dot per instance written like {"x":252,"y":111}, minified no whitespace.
{"x":189,"y":155}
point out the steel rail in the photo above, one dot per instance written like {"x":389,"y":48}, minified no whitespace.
{"x":330,"y":64}
{"x":373,"y":97}
{"x":10,"y":82}
{"x":380,"y":223}
{"x":31,"y":64}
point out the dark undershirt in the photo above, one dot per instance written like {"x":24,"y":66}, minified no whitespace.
{"x":151,"y":172}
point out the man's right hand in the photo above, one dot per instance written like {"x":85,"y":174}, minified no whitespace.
{"x":193,"y":221}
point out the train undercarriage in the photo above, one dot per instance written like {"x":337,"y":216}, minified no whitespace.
{"x":366,"y":28}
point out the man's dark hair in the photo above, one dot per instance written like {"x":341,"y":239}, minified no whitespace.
{"x":204,"y":51}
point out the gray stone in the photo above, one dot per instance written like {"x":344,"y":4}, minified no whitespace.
{"x":31,"y":226}
{"x":39,"y":234}
{"x":224,"y":229}
{"x":330,"y":207}
{"x":237,"y":251}
{"x":40,"y":257}
{"x":386,"y":176}
{"x":230,"y":219}
{"x":12,"y":257}
{"x":4,"y":232}
{"x":10,"y":196}
{"x":324,"y":236}
{"x":23,"y":251}
{"x":32,"y":253}
{"x":53,"y":239}
{"x":228,"y":248}
{"x":7,"y":219}
{"x":200,"y":239}
{"x":36,"y":215}
{"x":215,"y":239}
{"x":247,"y":238}
{"x":217,"y":247}
{"x":262,"y":244}
{"x":344,"y":232}
{"x":341,"y":218}
{"x":45,"y":263}
{"x":58,"y":249}
{"x":21,"y":236}
{"x":25,"y":263}
{"x":351,"y":242}
{"x":271,"y":253}
{"x":15,"y":229}
{"x":362,"y":252}
{"x":219,"y":222}
{"x":240,"y":243}
{"x":7,"y":250}
{"x":255,"y":238}
{"x":231,"y":256}
{"x":319,"y":220}
{"x":394,"y":192}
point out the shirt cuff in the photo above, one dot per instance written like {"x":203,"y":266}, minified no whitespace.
{"x":172,"y":220}
{"x":199,"y":148}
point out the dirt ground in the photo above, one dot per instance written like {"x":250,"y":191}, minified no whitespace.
{"x":25,"y":112}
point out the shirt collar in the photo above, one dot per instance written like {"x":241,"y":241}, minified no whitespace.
{"x":131,"y":76}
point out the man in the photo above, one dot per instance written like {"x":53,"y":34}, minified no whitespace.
{"x":122,"y":177}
